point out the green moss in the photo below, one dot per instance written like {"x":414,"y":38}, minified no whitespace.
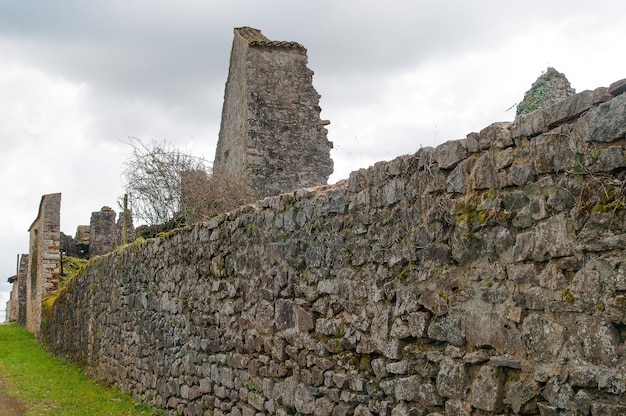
{"x":613,"y":199}
{"x":566,"y":295}
{"x":403,"y":274}
{"x":365,"y":364}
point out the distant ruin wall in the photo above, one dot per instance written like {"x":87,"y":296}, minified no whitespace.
{"x":44,"y":259}
{"x":20,"y":287}
{"x":486,"y":276}
{"x":271,"y":132}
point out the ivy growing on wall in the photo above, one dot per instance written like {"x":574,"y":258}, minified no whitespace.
{"x":550,"y":87}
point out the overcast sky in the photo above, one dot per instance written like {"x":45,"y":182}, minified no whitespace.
{"x":77,"y":78}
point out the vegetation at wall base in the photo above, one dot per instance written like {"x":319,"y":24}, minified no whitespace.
{"x":50,"y":386}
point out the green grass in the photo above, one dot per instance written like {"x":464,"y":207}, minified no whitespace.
{"x":51,"y":386}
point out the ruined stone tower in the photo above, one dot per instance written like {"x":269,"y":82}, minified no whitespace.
{"x":271,"y":133}
{"x":44,"y":260}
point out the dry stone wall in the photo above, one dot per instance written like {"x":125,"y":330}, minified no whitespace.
{"x":485,"y":276}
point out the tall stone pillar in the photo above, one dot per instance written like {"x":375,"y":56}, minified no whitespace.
{"x":44,"y":259}
{"x":271,"y":133}
{"x":103,"y":233}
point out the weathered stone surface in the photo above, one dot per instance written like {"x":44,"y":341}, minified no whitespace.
{"x":483,"y":174}
{"x":496,"y":135}
{"x":607,"y":122}
{"x":452,"y":380}
{"x":449,"y":328}
{"x":488,"y":389}
{"x":558,"y":394}
{"x":521,"y":396}
{"x":550,"y":88}
{"x":271,"y":108}
{"x":529,"y":125}
{"x":450,"y":153}
{"x":406,"y":388}
{"x":618,"y":87}
{"x":568,"y":108}
{"x":386,"y":293}
{"x":543,"y":338}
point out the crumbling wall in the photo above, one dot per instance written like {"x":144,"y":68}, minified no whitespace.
{"x":21,"y":290}
{"x":103,"y":232}
{"x":16,"y":306}
{"x":486,"y":276}
{"x":11,"y":305}
{"x":44,"y":258}
{"x":271,"y":132}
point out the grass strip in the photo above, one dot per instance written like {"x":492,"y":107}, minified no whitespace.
{"x":51,"y":386}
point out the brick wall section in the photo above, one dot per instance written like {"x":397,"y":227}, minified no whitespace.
{"x":271,"y":128}
{"x":44,"y":258}
{"x":486,"y":276}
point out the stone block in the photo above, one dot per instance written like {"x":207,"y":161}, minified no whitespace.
{"x":488,"y":389}
{"x":521,"y":396}
{"x":428,"y":396}
{"x":568,"y":108}
{"x":551,"y":239}
{"x":452,"y":380}
{"x":304,"y":401}
{"x":484,"y":174}
{"x":418,"y":322}
{"x":558,"y":393}
{"x":529,"y":125}
{"x":434,"y":302}
{"x":450,"y":153}
{"x":449,"y":328}
{"x":406,"y":388}
{"x":601,"y":94}
{"x":542,"y":337}
{"x":607,"y":121}
{"x":617,"y":88}
{"x":600,"y":408}
{"x":495,"y":135}
{"x":458,"y":408}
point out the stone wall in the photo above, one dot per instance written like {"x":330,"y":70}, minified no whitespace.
{"x":485,"y":276}
{"x":103,"y":232}
{"x":44,"y":259}
{"x":271,"y":131}
{"x":10,"y":313}
{"x":16,"y":306}
{"x":22,"y":278}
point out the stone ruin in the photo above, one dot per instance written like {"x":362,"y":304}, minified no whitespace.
{"x":551,"y":87}
{"x":271,"y":133}
{"x":39,"y":271}
{"x":104,"y":233}
{"x":271,"y":136}
{"x":469,"y":279}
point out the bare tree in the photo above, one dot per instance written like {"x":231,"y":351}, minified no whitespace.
{"x":168,"y":188}
{"x":153,"y":175}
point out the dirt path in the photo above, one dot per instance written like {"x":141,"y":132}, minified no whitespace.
{"x":9,"y":405}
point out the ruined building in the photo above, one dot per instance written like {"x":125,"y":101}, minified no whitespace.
{"x":271,"y":133}
{"x":39,"y":271}
{"x":101,"y":236}
{"x":44,"y":261}
{"x":551,"y":87}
